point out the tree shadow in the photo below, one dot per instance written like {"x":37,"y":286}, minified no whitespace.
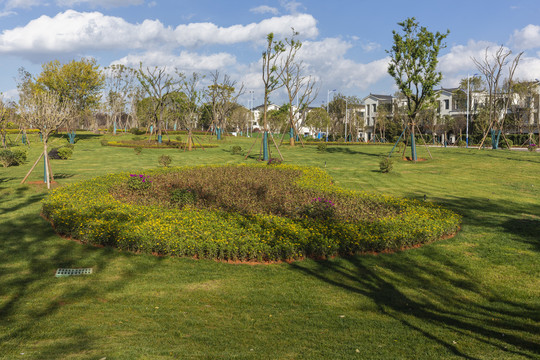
{"x":30,"y":253}
{"x":349,"y":151}
{"x":433,"y":301}
{"x":60,"y":176}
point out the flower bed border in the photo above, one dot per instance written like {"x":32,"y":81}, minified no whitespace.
{"x":87,"y":212}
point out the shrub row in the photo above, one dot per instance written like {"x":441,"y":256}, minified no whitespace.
{"x":88,"y":211}
{"x":154,"y":144}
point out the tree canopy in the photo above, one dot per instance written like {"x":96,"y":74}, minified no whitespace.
{"x":413,"y":64}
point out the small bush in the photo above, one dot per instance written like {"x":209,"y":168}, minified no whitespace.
{"x":6,"y":158}
{"x":138,"y":150}
{"x":504,"y":145}
{"x":62,"y":153}
{"x":104,"y":142}
{"x":401,"y":146}
{"x":461,"y":143}
{"x":386,"y":165}
{"x":136,"y":138}
{"x":236,"y":150}
{"x":65,"y":153}
{"x":69,"y":146}
{"x":321,"y":147}
{"x":178,"y":138}
{"x":420,"y":142}
{"x":274,"y":161}
{"x":165,"y":160}
{"x":183,"y":197}
{"x":487,"y":142}
{"x":531,"y":147}
{"x":12,"y":157}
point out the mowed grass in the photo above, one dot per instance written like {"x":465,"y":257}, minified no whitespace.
{"x":475,"y":296}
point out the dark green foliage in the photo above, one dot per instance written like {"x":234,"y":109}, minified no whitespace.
{"x":183,"y":197}
{"x":505,"y":145}
{"x":137,"y":131}
{"x":531,"y":147}
{"x":178,"y":138}
{"x":319,"y":208}
{"x":321,"y":147}
{"x":236,"y":150}
{"x":461,"y":143}
{"x":165,"y":160}
{"x":104,"y":142}
{"x":12,"y":157}
{"x":137,"y":149}
{"x":386,"y":165}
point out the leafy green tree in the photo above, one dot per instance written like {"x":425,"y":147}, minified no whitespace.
{"x":413,"y":65}
{"x":318,"y":119}
{"x":79,"y":82}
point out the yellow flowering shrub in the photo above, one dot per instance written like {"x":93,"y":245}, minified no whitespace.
{"x":97,"y":211}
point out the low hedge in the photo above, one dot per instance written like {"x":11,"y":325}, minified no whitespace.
{"x":88,"y":211}
{"x":156,"y":145}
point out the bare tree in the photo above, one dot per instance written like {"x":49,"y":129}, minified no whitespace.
{"x":45,"y":111}
{"x":158,"y":84}
{"x":298,"y":86}
{"x":499,"y":89}
{"x":191,"y":105}
{"x":222,"y":96}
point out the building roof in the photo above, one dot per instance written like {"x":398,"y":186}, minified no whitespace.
{"x":385,"y":98}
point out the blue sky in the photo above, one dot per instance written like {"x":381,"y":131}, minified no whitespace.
{"x":344,"y":42}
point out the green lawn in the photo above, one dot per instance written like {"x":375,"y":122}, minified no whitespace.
{"x":475,"y":296}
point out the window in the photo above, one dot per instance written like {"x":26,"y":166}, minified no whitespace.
{"x":446,"y":104}
{"x":374,"y":108}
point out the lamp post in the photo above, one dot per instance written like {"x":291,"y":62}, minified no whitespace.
{"x":468,"y":109}
{"x":251,"y":112}
{"x":346,"y":100}
{"x":328,"y":103}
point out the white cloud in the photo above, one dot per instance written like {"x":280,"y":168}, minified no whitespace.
{"x":527,"y":38}
{"x":291,"y":6}
{"x":72,"y":32}
{"x":185,"y":61}
{"x":370,"y":46}
{"x":264,"y":9}
{"x":23,"y":4}
{"x":459,"y":59}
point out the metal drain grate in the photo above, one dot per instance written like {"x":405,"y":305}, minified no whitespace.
{"x":72,"y":272}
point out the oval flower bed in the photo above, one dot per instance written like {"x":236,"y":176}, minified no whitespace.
{"x":241,"y":213}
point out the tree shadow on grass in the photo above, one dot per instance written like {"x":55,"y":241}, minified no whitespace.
{"x":31,"y":298}
{"x":432,"y":300}
{"x":349,"y":151}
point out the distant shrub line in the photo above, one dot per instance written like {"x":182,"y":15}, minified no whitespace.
{"x":154,"y":144}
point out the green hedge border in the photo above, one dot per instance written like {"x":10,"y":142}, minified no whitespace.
{"x":153,"y":145}
{"x":87,"y":212}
